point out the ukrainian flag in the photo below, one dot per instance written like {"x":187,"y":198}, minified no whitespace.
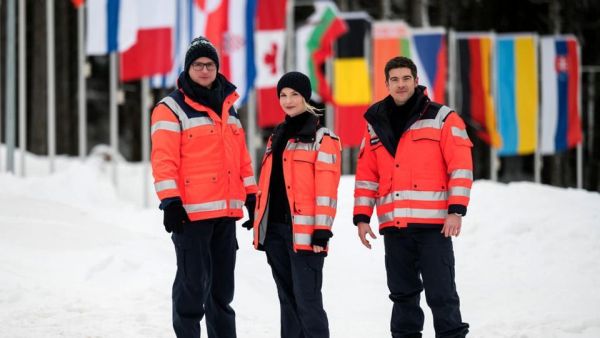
{"x":517,"y":93}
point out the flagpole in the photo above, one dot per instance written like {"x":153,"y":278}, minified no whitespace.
{"x":10,"y":89}
{"x":494,"y":160}
{"x":537,"y":159}
{"x":252,"y":129}
{"x":289,"y":32}
{"x":145,"y":102}
{"x":113,"y":115}
{"x":452,"y":69}
{"x":22,"y":87}
{"x":51,"y":94}
{"x":82,"y":108}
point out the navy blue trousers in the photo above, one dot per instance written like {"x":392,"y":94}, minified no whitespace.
{"x":299,"y":277}
{"x":409,"y":255}
{"x":204,"y":282}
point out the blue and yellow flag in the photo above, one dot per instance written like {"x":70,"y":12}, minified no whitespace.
{"x":517,"y":93}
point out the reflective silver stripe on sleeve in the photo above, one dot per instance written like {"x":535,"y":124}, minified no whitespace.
{"x":364,"y":201}
{"x":387,"y":217}
{"x":323,"y":220}
{"x":369,"y":185}
{"x":420,"y":213}
{"x":165,"y":125}
{"x":460,"y":133}
{"x":304,"y":220}
{"x":462,"y":173}
{"x":236,"y":204}
{"x":326,"y":158}
{"x":460,"y":191}
{"x":210,"y":206}
{"x":165,"y":185}
{"x":303,"y":239}
{"x":248,"y":181}
{"x":324,"y":201}
{"x":234,"y":120}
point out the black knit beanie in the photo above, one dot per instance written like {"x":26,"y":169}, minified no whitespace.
{"x":200,"y":47}
{"x":296,"y":81}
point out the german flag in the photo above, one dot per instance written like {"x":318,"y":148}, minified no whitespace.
{"x":352,"y":83}
{"x":475,"y":69}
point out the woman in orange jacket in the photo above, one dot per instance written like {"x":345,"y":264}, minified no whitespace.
{"x":296,"y":205}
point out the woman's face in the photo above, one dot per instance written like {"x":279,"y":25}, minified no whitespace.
{"x":291,"y":102}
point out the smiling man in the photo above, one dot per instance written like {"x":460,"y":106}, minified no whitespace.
{"x":415,"y":165}
{"x":203,"y":177}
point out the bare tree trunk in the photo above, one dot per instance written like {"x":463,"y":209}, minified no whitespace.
{"x":66,"y":75}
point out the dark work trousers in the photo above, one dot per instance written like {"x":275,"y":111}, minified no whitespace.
{"x":299,"y":277}
{"x":204,"y":282}
{"x":410,"y":255}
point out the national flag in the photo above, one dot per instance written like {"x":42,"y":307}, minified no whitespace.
{"x":426,"y":47}
{"x":269,"y":56}
{"x":237,"y":55}
{"x":152,"y":53}
{"x":191,"y":20}
{"x":314,"y":42}
{"x":561,"y":93}
{"x":474,"y":86}
{"x":230,"y":27}
{"x":517,"y":93}
{"x":351,"y":80}
{"x":111,"y":26}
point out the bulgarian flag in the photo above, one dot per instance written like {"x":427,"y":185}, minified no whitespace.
{"x":315,"y":45}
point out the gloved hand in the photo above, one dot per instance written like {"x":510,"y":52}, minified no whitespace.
{"x":175,"y":217}
{"x":250,"y":206}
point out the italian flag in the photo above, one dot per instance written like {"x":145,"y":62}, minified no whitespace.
{"x":315,"y":45}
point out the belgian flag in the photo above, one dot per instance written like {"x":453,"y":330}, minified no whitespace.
{"x":352,"y":82}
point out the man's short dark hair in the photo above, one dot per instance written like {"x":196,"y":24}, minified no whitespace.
{"x":400,"y":62}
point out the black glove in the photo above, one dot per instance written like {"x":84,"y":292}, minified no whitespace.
{"x":175,"y":217}
{"x":250,"y":205}
{"x":321,"y":237}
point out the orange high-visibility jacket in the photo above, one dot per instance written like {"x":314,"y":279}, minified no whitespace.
{"x":200,"y":157}
{"x":430,"y":175}
{"x":311,"y":173}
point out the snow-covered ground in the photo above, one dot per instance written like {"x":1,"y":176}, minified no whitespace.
{"x":81,"y":258}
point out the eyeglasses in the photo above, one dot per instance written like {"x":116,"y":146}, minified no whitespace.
{"x":198,"y":66}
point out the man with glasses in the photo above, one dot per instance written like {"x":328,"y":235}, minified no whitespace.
{"x":203,"y":176}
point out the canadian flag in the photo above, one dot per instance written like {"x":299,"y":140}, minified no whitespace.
{"x":269,"y":50}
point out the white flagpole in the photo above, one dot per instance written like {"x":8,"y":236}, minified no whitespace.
{"x":113,"y":115}
{"x":22,"y":87}
{"x":51,"y":108}
{"x":145,"y":89}
{"x":82,"y":107}
{"x":10,"y":89}
{"x":289,"y":32}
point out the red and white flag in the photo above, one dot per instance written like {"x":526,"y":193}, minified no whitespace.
{"x":152,"y":53}
{"x":269,"y":51}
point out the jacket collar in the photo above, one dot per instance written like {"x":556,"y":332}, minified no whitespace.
{"x":378,"y":118}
